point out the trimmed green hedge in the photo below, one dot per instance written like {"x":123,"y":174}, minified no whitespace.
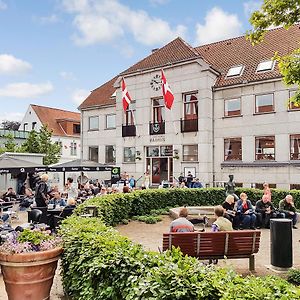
{"x":117,"y":207}
{"x":98,"y":263}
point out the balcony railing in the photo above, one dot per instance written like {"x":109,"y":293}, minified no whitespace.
{"x":157,"y":128}
{"x":189,"y":125}
{"x":128,"y":130}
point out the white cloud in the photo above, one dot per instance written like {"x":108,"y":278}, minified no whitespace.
{"x":3,"y":5}
{"x":251,"y":6}
{"x":159,"y":2}
{"x":49,"y":19}
{"x":67,"y":75}
{"x":12,"y":65}
{"x":79,"y":96}
{"x":106,"y":20}
{"x":11,"y":116}
{"x":219,"y":25}
{"x":25,"y":90}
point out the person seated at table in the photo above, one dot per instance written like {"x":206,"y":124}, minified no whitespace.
{"x":221,"y":224}
{"x":230,"y":211}
{"x":287,"y":207}
{"x":265,"y":211}
{"x":181,"y":224}
{"x":197,"y":184}
{"x":9,"y":195}
{"x":69,"y":208}
{"x":246,"y":212}
{"x":57,"y":200}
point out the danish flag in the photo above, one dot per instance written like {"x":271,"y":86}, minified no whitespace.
{"x":125,"y":95}
{"x":167,"y":93}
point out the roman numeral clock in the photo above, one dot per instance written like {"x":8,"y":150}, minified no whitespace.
{"x":155,"y":82}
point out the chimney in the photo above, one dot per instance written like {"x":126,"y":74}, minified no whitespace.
{"x":154,"y":50}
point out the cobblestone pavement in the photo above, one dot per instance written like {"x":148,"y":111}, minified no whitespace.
{"x":150,"y":236}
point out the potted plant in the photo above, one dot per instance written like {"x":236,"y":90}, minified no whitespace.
{"x":28,"y":262}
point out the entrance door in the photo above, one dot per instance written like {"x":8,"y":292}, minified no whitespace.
{"x":159,"y":170}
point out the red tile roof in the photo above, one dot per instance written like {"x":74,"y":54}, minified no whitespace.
{"x":220,"y":55}
{"x":238,"y":51}
{"x":101,"y":96}
{"x":51,"y":116}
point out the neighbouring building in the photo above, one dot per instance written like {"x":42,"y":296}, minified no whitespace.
{"x":230,"y":115}
{"x":65,"y":127}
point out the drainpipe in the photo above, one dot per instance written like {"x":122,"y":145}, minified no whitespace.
{"x":213,"y":137}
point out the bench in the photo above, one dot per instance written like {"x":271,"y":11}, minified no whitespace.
{"x":216,"y":245}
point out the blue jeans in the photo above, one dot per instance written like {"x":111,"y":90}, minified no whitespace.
{"x":248,"y":221}
{"x":293,"y":217}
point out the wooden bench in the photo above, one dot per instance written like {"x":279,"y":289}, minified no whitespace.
{"x":216,"y":245}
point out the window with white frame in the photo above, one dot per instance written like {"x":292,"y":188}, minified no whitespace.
{"x":129,"y":154}
{"x":264,"y":103}
{"x":190,"y":102}
{"x":265,"y":148}
{"x":94,"y":123}
{"x":266,"y":65}
{"x":233,"y":149}
{"x":295,"y":146}
{"x":73,"y":148}
{"x":232,"y":107}
{"x":235,"y":71}
{"x":110,"y":154}
{"x":190,"y":153}
{"x":158,"y":110}
{"x":130,"y":114}
{"x":110,"y":121}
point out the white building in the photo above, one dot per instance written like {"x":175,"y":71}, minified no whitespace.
{"x":65,"y":127}
{"x":230,"y":115}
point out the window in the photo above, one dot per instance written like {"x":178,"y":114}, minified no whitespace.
{"x":25,"y":126}
{"x":158,"y":110}
{"x":76,"y":128}
{"x":129,"y":154}
{"x":265,"y":148}
{"x":264,"y":103}
{"x":152,"y":151}
{"x":295,"y":186}
{"x":94,"y":123}
{"x":190,"y":152}
{"x":233,"y":149}
{"x":73,"y":148}
{"x":232,"y":107}
{"x":265,"y":66}
{"x":129,"y":114}
{"x":110,"y":154}
{"x":292,"y":105}
{"x":33,"y":124}
{"x":235,"y":71}
{"x":294,"y":146}
{"x":190,"y":102}
{"x":110,"y":121}
{"x":93,"y":154}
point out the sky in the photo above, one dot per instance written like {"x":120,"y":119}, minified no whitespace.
{"x":54,"y":52}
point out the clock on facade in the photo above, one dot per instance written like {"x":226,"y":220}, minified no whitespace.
{"x":155,"y":82}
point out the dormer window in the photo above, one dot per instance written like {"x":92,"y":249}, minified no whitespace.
{"x":235,"y":71}
{"x":114,"y":94}
{"x":264,"y":66}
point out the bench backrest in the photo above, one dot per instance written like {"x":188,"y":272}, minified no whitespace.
{"x":210,"y":244}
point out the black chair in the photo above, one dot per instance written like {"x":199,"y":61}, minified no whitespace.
{"x":44,"y":218}
{"x":35,"y":216}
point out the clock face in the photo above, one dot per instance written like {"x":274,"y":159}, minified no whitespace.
{"x":155,"y":82}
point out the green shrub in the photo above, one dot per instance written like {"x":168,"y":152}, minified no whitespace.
{"x":98,"y":263}
{"x":294,"y":276}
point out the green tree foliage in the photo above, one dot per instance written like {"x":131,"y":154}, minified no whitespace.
{"x":40,"y":142}
{"x":279,"y":13}
{"x":10,"y":144}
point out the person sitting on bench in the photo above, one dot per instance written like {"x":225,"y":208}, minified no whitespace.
{"x":221,"y":224}
{"x":181,"y":224}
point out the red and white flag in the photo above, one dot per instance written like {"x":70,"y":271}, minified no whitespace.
{"x":125,"y":95}
{"x":167,"y":93}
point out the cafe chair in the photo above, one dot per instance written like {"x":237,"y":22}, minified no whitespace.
{"x":35,"y":216}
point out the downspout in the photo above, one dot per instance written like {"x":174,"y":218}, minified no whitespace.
{"x":81,"y":135}
{"x":213,"y":137}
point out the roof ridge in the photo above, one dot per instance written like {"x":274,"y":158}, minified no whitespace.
{"x":54,"y":108}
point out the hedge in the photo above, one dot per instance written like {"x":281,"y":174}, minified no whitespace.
{"x":98,"y":263}
{"x":117,"y":207}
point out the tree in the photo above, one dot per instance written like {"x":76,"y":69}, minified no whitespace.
{"x":279,"y":13}
{"x":10,"y":144}
{"x":10,"y":125}
{"x":40,"y":142}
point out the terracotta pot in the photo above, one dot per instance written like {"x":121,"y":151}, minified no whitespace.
{"x":29,"y":276}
